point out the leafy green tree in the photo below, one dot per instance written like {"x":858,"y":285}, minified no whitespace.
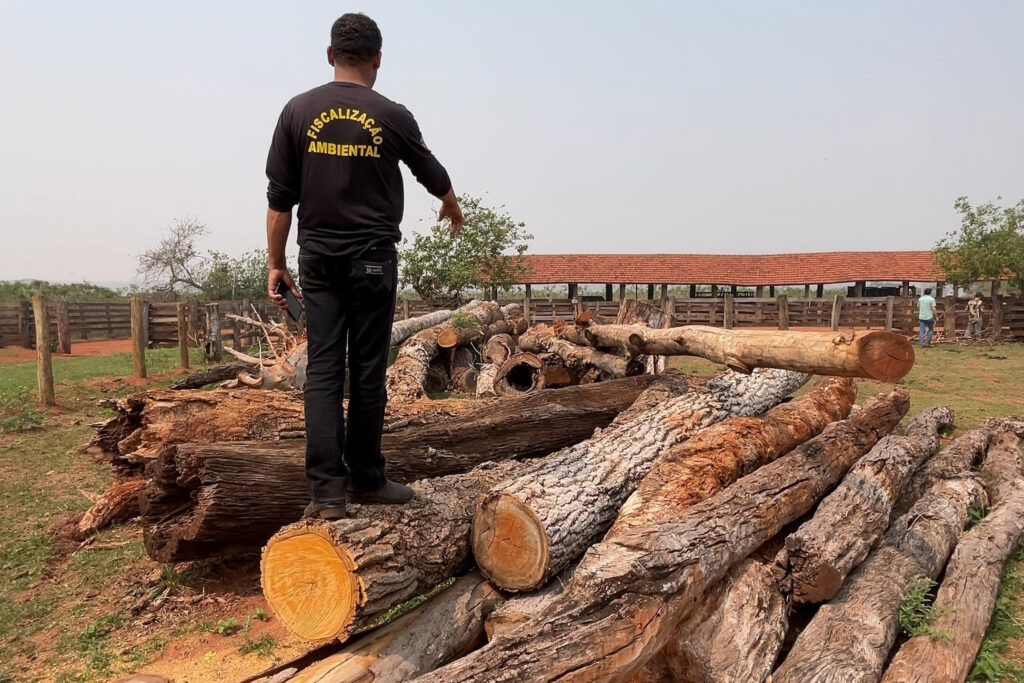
{"x":74,"y":291}
{"x":988,"y":245}
{"x":244,"y":277}
{"x":487,"y":252}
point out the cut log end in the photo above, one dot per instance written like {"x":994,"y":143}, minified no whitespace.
{"x":522,"y":373}
{"x":885,"y":356}
{"x":310,"y":584}
{"x":447,"y":338}
{"x":510,"y":544}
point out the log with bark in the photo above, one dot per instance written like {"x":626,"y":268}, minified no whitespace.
{"x":495,"y":352}
{"x":636,"y":312}
{"x":820,"y":554}
{"x":884,"y":356}
{"x":520,"y":374}
{"x":212,"y":375}
{"x":630,"y":593}
{"x":463,"y":370}
{"x":850,"y":637}
{"x":529,"y":529}
{"x":206,"y":499}
{"x":580,"y":356}
{"x":328,"y":580}
{"x":964,"y":602}
{"x":447,"y":626}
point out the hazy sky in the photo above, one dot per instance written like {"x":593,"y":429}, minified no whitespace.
{"x":606,"y":126}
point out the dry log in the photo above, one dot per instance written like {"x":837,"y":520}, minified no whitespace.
{"x":510,"y":326}
{"x":495,"y":352}
{"x":529,"y":529}
{"x":523,"y":607}
{"x":213,"y":374}
{"x":967,"y":596}
{"x":329,"y":580}
{"x":734,"y":635}
{"x":521,"y":373}
{"x":118,"y":503}
{"x":463,"y":370}
{"x":850,"y":636}
{"x":403,"y":329}
{"x":633,"y":311}
{"x":580,"y":356}
{"x":447,"y":626}
{"x":223,"y":497}
{"x":629,"y":594}
{"x":884,"y":356}
{"x":820,"y":554}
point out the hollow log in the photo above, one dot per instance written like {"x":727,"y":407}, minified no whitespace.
{"x":447,"y":626}
{"x":879,"y":355}
{"x":117,"y":504}
{"x":207,"y":499}
{"x":529,"y":529}
{"x":463,"y":370}
{"x":629,"y":594}
{"x":213,"y":374}
{"x":820,"y":554}
{"x":734,"y":635}
{"x":520,"y":374}
{"x":495,"y":352}
{"x":329,"y":580}
{"x":850,"y":637}
{"x":966,"y":599}
{"x":579,"y":356}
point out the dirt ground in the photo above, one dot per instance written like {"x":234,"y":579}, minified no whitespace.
{"x":79,"y":349}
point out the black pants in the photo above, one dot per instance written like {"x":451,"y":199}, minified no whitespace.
{"x":347,"y":301}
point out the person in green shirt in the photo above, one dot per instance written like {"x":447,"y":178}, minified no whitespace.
{"x":926,"y":318}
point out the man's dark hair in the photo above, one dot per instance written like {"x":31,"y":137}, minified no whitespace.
{"x":928,"y":290}
{"x":355,"y":39}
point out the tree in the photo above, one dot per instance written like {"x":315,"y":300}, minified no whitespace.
{"x":176,"y":266}
{"x":244,"y":277}
{"x":988,"y":245}
{"x":487,"y":253}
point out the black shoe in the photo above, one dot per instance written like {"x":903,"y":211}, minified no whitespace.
{"x":391,"y":493}
{"x":330,"y":510}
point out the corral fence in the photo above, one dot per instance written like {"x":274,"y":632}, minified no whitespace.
{"x":92,"y":320}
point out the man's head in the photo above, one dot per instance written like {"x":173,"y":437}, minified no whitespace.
{"x":928,"y":290}
{"x":977,"y":295}
{"x":355,"y":45}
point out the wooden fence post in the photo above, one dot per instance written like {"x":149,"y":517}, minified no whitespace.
{"x":44,"y":363}
{"x":782,"y":301}
{"x":183,"y":333}
{"x":214,"y":343}
{"x":196,"y":323}
{"x":670,"y":307}
{"x":139,"y":340}
{"x":949,"y":318}
{"x":405,"y":309}
{"x":890,"y":305}
{"x":837,"y":311}
{"x":997,"y":311}
{"x":728,"y":313}
{"x":63,"y":328}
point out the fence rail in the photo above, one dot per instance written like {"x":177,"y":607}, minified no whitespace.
{"x":113,"y":319}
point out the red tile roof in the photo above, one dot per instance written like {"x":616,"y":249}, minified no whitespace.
{"x":727,"y":269}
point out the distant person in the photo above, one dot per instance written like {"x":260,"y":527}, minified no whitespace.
{"x":975,"y":313}
{"x":926,"y":317}
{"x":335,"y":153}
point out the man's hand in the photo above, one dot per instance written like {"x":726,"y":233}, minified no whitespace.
{"x":281,"y":275}
{"x":450,"y":210}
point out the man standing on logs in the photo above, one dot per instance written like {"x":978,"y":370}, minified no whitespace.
{"x":335,"y":153}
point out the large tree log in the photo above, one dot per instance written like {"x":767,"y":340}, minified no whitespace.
{"x":329,"y":580}
{"x":403,"y":329}
{"x":447,"y":626}
{"x":205,"y":499}
{"x":884,"y":356}
{"x":529,"y":529}
{"x":630,"y":593}
{"x":967,"y":596}
{"x":820,"y":554}
{"x":734,"y":635}
{"x":634,"y":311}
{"x":495,"y":352}
{"x":850,"y":637}
{"x":463,"y":370}
{"x":520,"y":374}
{"x":580,"y":356}
{"x":212,"y":374}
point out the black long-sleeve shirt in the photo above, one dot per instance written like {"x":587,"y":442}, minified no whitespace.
{"x":335,"y":153}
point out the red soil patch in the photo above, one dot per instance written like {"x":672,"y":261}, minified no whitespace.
{"x":79,"y":349}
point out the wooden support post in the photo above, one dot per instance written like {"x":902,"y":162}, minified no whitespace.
{"x":820,"y":292}
{"x":494,"y":293}
{"x":837,"y":311}
{"x":997,"y":311}
{"x":214,"y":343}
{"x":63,"y":328}
{"x":890,"y":305}
{"x":183,"y":333}
{"x":609,"y":295}
{"x":622,"y":292}
{"x":728,"y":313}
{"x":771,"y":291}
{"x":664,"y":292}
{"x":939,"y":286}
{"x":807,"y":291}
{"x":714,"y":291}
{"x":236,"y":335}
{"x":759,"y":292}
{"x":733,"y":290}
{"x":650,"y":292}
{"x":527,"y":299}
{"x":138,"y":316}
{"x":196,"y":323}
{"x":693,"y":291}
{"x":572,"y":290}
{"x":906,"y":288}
{"x":782,"y":301}
{"x":858,"y":288}
{"x":44,"y":363}
{"x":949,"y":317}
{"x":670,"y":306}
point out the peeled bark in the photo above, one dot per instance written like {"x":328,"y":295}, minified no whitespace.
{"x":850,"y":637}
{"x":629,"y":594}
{"x":529,"y":529}
{"x":520,"y":374}
{"x":211,"y":499}
{"x":820,"y":554}
{"x":117,"y":504}
{"x":447,"y":626}
{"x":734,"y":635}
{"x":966,"y":599}
{"x":329,"y":580}
{"x":883,"y":356}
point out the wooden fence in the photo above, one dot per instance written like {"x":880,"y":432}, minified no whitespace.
{"x":92,"y":320}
